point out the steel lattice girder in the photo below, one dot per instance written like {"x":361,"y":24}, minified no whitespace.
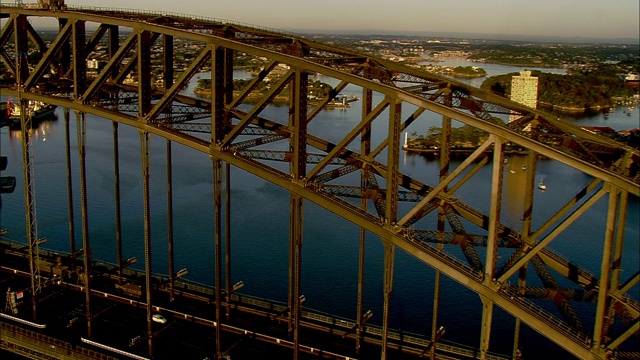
{"x":469,"y":105}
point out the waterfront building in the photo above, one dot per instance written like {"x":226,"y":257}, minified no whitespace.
{"x":524,"y":90}
{"x":93,"y":64}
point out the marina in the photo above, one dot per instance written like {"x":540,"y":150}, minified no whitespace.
{"x":36,"y":111}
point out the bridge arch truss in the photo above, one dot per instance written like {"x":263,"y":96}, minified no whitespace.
{"x":136,"y":46}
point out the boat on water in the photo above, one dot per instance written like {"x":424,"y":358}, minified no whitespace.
{"x":542,"y":186}
{"x":7,"y":184}
{"x":36,"y":110}
{"x":632,"y":79}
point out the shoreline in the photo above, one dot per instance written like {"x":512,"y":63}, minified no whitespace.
{"x":541,"y":65}
{"x":278,"y":99}
{"x":410,"y":149}
{"x":559,"y":109}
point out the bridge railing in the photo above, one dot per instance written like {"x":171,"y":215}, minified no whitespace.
{"x":622,"y":298}
{"x":399,"y":336}
{"x":18,"y":331}
{"x":42,"y":346}
{"x":542,"y":315}
{"x":509,"y":293}
{"x":449,"y":260}
{"x":176,"y":15}
{"x":374,"y":332}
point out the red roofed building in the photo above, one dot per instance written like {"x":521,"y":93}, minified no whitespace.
{"x":599,"y":129}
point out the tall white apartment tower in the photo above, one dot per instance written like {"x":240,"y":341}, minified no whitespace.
{"x":524,"y":89}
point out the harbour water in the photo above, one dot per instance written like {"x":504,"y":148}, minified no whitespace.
{"x":260,"y":223}
{"x":489,"y":68}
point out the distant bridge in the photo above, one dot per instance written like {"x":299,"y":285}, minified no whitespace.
{"x":124,"y":92}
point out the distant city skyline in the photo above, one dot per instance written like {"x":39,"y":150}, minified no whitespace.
{"x":594,"y":19}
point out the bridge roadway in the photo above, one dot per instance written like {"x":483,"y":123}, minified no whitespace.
{"x":253,"y":326}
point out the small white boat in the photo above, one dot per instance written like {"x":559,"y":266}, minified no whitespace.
{"x":542,"y":186}
{"x":159,"y":318}
{"x":524,"y":167}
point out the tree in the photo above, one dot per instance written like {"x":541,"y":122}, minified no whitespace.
{"x":498,"y":89}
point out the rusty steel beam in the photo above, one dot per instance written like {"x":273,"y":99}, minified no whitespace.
{"x":266,"y":99}
{"x":393,"y":162}
{"x":559,"y":298}
{"x":444,"y":183}
{"x":451,"y":100}
{"x":217,"y":203}
{"x":79,"y":58}
{"x":48,"y":56}
{"x":389,"y":260}
{"x":86,"y":242}
{"x":494,"y":210}
{"x":108,"y":70}
{"x":70,"y":212}
{"x":133,"y":61}
{"x":365,"y":148}
{"x":254,"y":83}
{"x":349,"y":138}
{"x":94,"y":40}
{"x":170,"y":93}
{"x":322,"y":105}
{"x":605,"y":268}
{"x":144,"y":74}
{"x":445,"y":153}
{"x":116,"y":195}
{"x":218,"y":120}
{"x":473,"y":93}
{"x":631,"y":282}
{"x":146,"y":174}
{"x":530,"y":251}
{"x":21,"y":49}
{"x":7,"y":32}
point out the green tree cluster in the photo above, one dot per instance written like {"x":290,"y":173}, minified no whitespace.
{"x":578,"y":92}
{"x":464,"y":136}
{"x":469,"y":71}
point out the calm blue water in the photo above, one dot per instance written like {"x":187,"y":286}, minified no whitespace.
{"x":259,"y":222}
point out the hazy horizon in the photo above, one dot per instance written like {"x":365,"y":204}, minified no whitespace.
{"x":577,"y":19}
{"x":470,"y":36}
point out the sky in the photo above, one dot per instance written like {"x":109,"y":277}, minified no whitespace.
{"x":596,"y":19}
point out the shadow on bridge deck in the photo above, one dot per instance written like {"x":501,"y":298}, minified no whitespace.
{"x":255,"y":327}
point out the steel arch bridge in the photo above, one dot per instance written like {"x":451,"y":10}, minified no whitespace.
{"x":125,"y":92}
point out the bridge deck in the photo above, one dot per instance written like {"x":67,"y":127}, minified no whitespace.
{"x":255,"y":326}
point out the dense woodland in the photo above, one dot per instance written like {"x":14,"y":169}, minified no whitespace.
{"x":468,"y":72}
{"x":461,"y":137}
{"x":554,"y":55}
{"x":594,"y":90}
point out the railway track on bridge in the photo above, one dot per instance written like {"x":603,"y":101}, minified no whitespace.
{"x":409,"y":346}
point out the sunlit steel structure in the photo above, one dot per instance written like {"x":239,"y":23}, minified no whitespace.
{"x":316,"y":169}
